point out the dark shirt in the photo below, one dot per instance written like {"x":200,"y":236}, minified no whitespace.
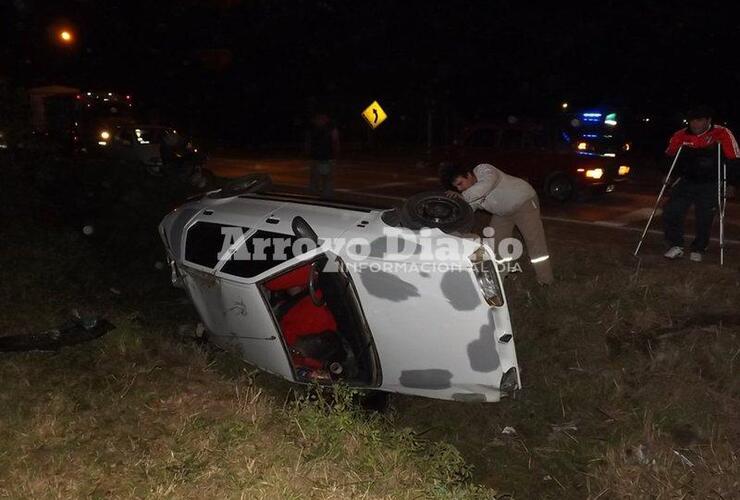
{"x":698,"y":165}
{"x":321,"y":144}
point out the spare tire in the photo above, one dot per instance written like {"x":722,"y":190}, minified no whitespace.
{"x":252,"y":183}
{"x":436,"y":209}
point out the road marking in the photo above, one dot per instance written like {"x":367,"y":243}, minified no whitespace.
{"x":630,"y":217}
{"x":621,"y":222}
{"x":622,"y":228}
{"x":604,"y":224}
{"x":390,"y":184}
{"x":414,"y":182}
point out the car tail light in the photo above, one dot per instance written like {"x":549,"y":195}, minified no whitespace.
{"x":509,"y":380}
{"x":488,"y":281}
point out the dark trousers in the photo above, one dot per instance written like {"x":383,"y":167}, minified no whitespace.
{"x":321,"y":179}
{"x":704,"y":198}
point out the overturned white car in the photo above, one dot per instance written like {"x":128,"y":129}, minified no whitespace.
{"x":320,"y":291}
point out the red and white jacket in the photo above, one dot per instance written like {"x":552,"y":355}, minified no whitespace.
{"x":716,"y":134}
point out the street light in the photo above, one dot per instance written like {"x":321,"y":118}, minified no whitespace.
{"x":564,"y":105}
{"x":65,"y":36}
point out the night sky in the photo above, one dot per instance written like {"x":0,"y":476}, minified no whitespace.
{"x":260,"y":66}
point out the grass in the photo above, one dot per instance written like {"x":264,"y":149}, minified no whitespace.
{"x":142,"y":413}
{"x":630,"y":373}
{"x":631,"y":380}
{"x":138,"y":414}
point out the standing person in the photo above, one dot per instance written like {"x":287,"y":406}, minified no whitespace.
{"x":322,"y":144}
{"x":511,"y":201}
{"x":697,"y":183}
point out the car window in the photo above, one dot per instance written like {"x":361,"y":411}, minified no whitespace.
{"x":263,"y":251}
{"x":563,"y":143}
{"x":147,"y":135}
{"x":511,"y":140}
{"x":205,"y":241}
{"x":483,"y":138}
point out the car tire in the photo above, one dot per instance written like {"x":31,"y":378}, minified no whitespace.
{"x":560,"y":187}
{"x":434,"y":209}
{"x":253,"y":183}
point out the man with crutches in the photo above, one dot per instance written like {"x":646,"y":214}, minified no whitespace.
{"x":700,"y":152}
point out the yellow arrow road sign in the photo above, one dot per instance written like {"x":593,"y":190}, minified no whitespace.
{"x":374,"y":115}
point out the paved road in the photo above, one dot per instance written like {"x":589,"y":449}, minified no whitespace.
{"x":391,"y":181}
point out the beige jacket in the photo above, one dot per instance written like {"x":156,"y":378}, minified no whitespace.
{"x":497,"y":192}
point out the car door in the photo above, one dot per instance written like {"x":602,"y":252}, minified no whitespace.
{"x":435,"y":333}
{"x":225,"y":292}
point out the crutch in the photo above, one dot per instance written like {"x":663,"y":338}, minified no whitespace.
{"x":721,"y":201}
{"x":657,"y":201}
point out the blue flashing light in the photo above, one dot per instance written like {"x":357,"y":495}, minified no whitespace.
{"x":587,"y":153}
{"x":590,"y":136}
{"x":591,"y":117}
{"x":565,"y":136}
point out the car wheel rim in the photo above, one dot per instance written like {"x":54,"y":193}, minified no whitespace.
{"x":560,"y":188}
{"x":438,"y":210}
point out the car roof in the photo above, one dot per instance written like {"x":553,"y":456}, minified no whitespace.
{"x":342,"y":202}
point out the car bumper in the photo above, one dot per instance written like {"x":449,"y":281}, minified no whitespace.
{"x":601,"y":186}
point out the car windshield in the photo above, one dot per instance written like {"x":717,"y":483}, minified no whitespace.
{"x":600,"y":141}
{"x":601,"y":132}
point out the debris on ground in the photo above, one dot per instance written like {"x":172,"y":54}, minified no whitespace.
{"x":683,"y":458}
{"x":639,"y":454}
{"x":73,"y":332}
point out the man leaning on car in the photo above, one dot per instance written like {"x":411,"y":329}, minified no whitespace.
{"x":511,"y":201}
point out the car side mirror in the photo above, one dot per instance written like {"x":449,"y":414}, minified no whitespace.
{"x":302,"y":229}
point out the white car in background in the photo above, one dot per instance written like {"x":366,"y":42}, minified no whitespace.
{"x":134,"y":143}
{"x":436,"y":327}
{"x":161,"y":150}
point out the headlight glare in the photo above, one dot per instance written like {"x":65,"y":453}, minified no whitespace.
{"x":595,"y":173}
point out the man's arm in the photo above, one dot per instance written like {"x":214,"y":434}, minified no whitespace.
{"x":675,"y":142}
{"x":729,"y":144}
{"x":488,"y":178}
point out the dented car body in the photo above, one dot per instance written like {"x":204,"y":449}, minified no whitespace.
{"x":316,"y":291}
